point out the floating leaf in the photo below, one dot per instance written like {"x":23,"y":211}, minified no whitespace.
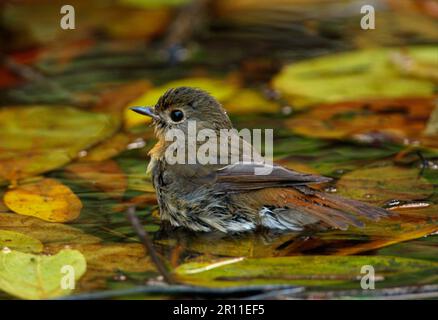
{"x":46,"y":199}
{"x":36,"y":139}
{"x":302,"y":270}
{"x":19,"y":241}
{"x":106,"y":176}
{"x":380,"y":185}
{"x":351,"y":76}
{"x":30,"y":276}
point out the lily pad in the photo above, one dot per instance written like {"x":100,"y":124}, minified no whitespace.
{"x":19,"y":241}
{"x":353,"y":75}
{"x":37,"y":139}
{"x":30,"y":276}
{"x":46,"y":199}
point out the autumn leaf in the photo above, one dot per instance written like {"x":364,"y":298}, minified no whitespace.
{"x":385,"y":120}
{"x":46,"y":199}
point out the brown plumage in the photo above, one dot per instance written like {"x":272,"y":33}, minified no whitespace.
{"x":231,"y":198}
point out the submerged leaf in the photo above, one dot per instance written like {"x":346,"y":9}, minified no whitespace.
{"x":30,"y":276}
{"x":46,"y":199}
{"x":37,"y":139}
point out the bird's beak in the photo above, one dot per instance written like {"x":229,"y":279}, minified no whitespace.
{"x":146,"y":111}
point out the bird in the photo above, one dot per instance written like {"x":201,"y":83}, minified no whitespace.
{"x":231,"y":198}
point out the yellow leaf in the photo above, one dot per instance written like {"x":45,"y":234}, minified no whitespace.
{"x":46,"y":199}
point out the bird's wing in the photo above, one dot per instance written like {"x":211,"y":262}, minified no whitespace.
{"x":253,"y":176}
{"x":285,"y":195}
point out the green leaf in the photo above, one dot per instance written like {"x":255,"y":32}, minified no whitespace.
{"x":37,"y":139}
{"x":353,"y":75}
{"x":300,"y":270}
{"x":30,"y":276}
{"x":19,"y":241}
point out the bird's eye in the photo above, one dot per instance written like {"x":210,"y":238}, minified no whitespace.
{"x":176,"y":115}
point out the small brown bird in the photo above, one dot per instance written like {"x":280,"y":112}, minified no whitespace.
{"x":232,"y":198}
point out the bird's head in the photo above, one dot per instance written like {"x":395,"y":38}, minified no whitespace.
{"x":177,"y":106}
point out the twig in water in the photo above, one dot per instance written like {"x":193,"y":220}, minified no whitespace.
{"x":147,"y":243}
